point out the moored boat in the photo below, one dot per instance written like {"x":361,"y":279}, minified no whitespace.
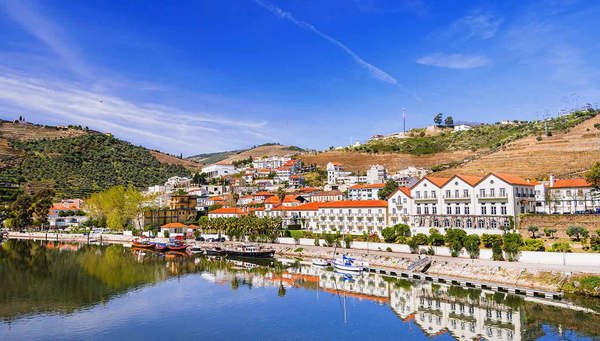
{"x":348,"y":264}
{"x":142,"y":244}
{"x":319,"y":262}
{"x":160,"y":246}
{"x":214,"y":251}
{"x":196,"y":250}
{"x":250,"y":250}
{"x":176,"y":245}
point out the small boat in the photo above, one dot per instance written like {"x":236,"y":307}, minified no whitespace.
{"x":319,"y":262}
{"x":348,"y":264}
{"x":142,"y":244}
{"x":160,"y":246}
{"x":196,"y":250}
{"x":250,"y":250}
{"x":176,"y":245}
{"x":215,"y":251}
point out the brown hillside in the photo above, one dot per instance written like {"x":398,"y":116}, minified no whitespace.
{"x":360,"y":162}
{"x":170,"y":159}
{"x":567,"y":154}
{"x":260,"y":151}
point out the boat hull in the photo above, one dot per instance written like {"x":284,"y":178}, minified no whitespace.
{"x":250,"y":254}
{"x":349,"y":268}
{"x":176,"y":247}
{"x":142,"y":245}
{"x":213,"y":252}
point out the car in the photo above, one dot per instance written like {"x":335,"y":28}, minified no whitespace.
{"x":200,"y":239}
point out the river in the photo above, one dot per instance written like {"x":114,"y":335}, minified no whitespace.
{"x":61,"y":291}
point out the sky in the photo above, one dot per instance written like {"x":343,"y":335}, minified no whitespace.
{"x":205,"y":76}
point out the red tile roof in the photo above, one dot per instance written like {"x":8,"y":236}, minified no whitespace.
{"x":569,"y":183}
{"x":263,"y":194}
{"x":437,"y":181}
{"x":513,"y":179}
{"x":470,"y":179}
{"x":173,"y":225}
{"x":355,"y":203}
{"x":405,"y":190}
{"x":290,"y":198}
{"x":272,"y":200}
{"x":361,"y":186}
{"x":327,"y":193}
{"x":228,"y":210}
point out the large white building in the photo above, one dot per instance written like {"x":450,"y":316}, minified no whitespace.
{"x":364,"y":191}
{"x":219,"y":169}
{"x":270,"y":162}
{"x":376,"y":174}
{"x":566,"y":196}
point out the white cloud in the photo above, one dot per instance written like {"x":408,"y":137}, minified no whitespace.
{"x":453,"y":61}
{"x":160,"y":126}
{"x":375,"y":71}
{"x":48,"y":33}
{"x":483,"y":26}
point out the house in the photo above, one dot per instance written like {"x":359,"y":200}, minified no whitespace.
{"x":350,"y":216}
{"x":271,"y":162}
{"x":219,"y":169}
{"x":376,"y":174}
{"x":181,"y":208}
{"x":177,"y":229}
{"x":324,"y":196}
{"x":562,"y":196}
{"x":400,"y":206}
{"x":296,"y":181}
{"x":364,"y":191}
{"x":227,"y":212}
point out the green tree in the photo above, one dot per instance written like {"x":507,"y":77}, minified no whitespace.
{"x":390,"y":187}
{"x":549,"y":232}
{"x":348,"y":240}
{"x":449,"y":122}
{"x":391,"y":233}
{"x":533,"y":245}
{"x":512,"y":244}
{"x":117,"y":206}
{"x":593,"y":175}
{"x":421,"y":239}
{"x":436,"y":238}
{"x":455,"y":239}
{"x":577,"y":232}
{"x":472,"y":242}
{"x":561,"y":247}
{"x":281,"y":194}
{"x":533,"y":230}
{"x":437,"y":119}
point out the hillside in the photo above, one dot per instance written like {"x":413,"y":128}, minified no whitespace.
{"x":76,"y":161}
{"x":520,"y":147}
{"x":269,"y":149}
{"x":565,"y":154}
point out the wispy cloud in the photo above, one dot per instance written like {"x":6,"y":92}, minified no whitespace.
{"x":24,"y":13}
{"x":453,"y":61}
{"x":479,"y":25}
{"x":166,"y":127}
{"x":417,"y":7}
{"x":375,"y":71}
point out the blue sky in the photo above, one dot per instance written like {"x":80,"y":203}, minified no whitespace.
{"x":213,"y":75}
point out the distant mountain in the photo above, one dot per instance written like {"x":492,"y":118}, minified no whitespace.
{"x":267,"y":149}
{"x":76,"y":161}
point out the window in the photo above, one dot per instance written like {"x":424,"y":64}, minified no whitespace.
{"x":404,"y":201}
{"x":483,"y":210}
{"x":457,"y":209}
{"x":434,"y":209}
{"x":418,"y":194}
{"x":446,"y":223}
{"x":465,"y":193}
{"x":503,"y":210}
{"x":418,"y":209}
{"x":493,"y":209}
{"x":433,"y":194}
{"x":492,"y":192}
{"x":467,"y":209}
{"x":456,"y":193}
{"x":426,"y":209}
{"x":447,"y":193}
{"x":482,"y":193}
{"x":481,"y":223}
{"x":448,"y":210}
{"x":502,"y":192}
{"x":425,"y":194}
{"x":493,"y":224}
{"x":469,"y":223}
{"x":406,"y":211}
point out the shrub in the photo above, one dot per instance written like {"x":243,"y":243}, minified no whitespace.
{"x":472,"y":242}
{"x":549,"y":232}
{"x":431,"y":251}
{"x":489,"y":240}
{"x":533,"y":245}
{"x":316,"y":241}
{"x":391,"y":233}
{"x":414,"y":246}
{"x":436,"y":238}
{"x":388,"y":249}
{"x":533,"y":230}
{"x":421,"y":239}
{"x":561,"y":247}
{"x":348,"y":241}
{"x":512,"y":243}
{"x":595,"y":243}
{"x":455,"y":239}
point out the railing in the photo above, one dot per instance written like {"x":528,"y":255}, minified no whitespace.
{"x":492,"y":196}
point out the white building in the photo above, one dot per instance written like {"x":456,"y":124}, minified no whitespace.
{"x":566,"y":196}
{"x":219,"y":169}
{"x":365,"y":191}
{"x":350,"y":216}
{"x":270,"y":162}
{"x":376,"y":174}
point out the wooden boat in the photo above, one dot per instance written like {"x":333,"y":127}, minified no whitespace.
{"x":215,"y":251}
{"x":196,"y":250}
{"x":142,"y":244}
{"x":319,"y":262}
{"x":160,"y":246}
{"x":252,"y":251}
{"x":176,"y":247}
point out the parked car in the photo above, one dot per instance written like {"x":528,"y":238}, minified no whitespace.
{"x":200,"y":239}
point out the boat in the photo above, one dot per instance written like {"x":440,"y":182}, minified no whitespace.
{"x":250,"y":250}
{"x":196,"y":250}
{"x":142,"y":244}
{"x":319,"y":262}
{"x":160,"y":246}
{"x":348,"y":264}
{"x":214,"y":251}
{"x":176,"y":245}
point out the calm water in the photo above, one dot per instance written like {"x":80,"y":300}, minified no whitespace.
{"x":70,"y":292}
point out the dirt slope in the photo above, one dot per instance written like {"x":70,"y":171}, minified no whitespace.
{"x":567,"y":154}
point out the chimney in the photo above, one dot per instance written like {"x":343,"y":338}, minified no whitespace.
{"x":552,"y":181}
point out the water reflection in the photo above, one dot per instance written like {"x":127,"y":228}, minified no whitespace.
{"x":38,"y":278}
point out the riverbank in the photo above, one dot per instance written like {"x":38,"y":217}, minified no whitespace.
{"x":546,"y":277}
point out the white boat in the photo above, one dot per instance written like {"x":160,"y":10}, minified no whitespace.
{"x":319,"y":262}
{"x":348,"y":264}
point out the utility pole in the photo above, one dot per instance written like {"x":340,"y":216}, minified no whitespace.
{"x":404,"y":120}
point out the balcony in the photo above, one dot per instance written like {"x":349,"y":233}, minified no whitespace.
{"x":426,"y":199}
{"x":457,"y":198}
{"x":490,"y":196}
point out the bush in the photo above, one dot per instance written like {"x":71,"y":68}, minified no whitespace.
{"x":549,"y":232}
{"x":595,"y":243}
{"x":533,"y":245}
{"x":436,"y":238}
{"x":512,"y":244}
{"x":414,"y":246}
{"x":455,"y":239}
{"x":576,"y":232}
{"x":388,"y":249}
{"x":472,"y":242}
{"x":561,"y":247}
{"x":316,"y":241}
{"x":489,"y":240}
{"x":348,"y":241}
{"x":391,"y":233}
{"x":533,"y":230}
{"x":421,"y":239}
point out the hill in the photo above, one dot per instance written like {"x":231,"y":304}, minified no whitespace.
{"x":76,"y":161}
{"x":268,"y":149}
{"x":570,"y":146}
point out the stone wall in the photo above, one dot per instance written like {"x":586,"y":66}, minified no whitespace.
{"x":558,"y":221}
